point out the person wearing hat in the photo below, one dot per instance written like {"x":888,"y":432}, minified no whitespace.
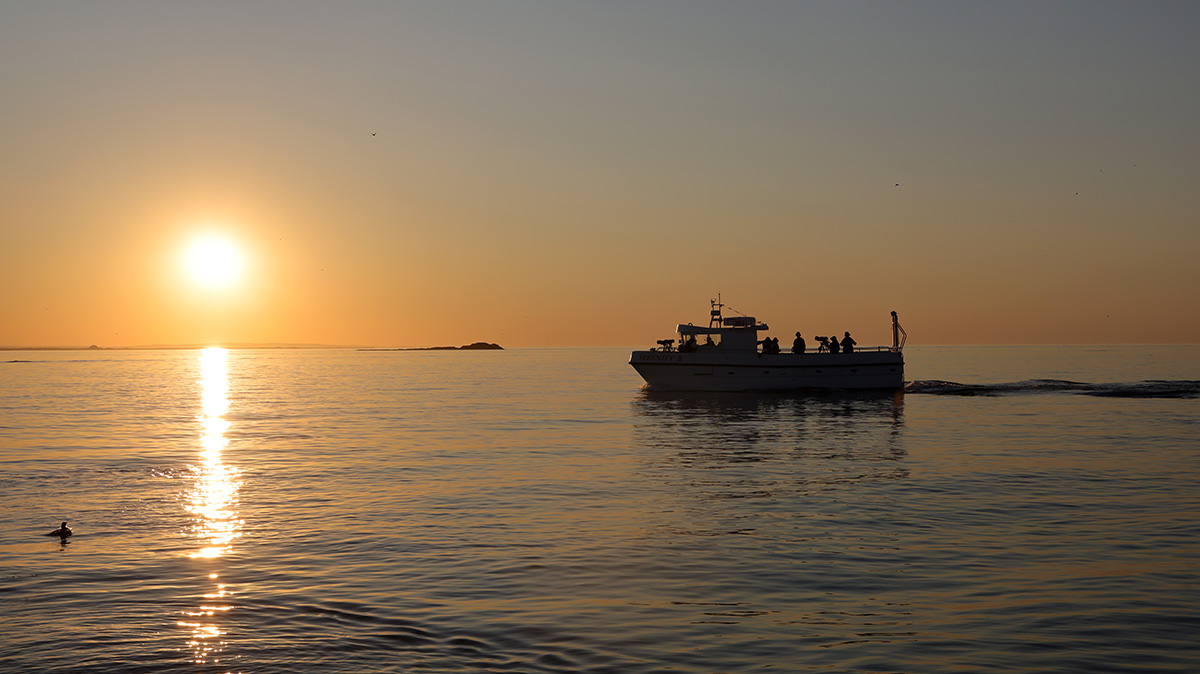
{"x":848,"y":343}
{"x":798,"y":345}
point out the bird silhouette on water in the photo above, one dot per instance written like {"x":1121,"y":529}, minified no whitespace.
{"x":62,"y":531}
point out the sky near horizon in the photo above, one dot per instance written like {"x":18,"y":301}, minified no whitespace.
{"x":592,"y":173}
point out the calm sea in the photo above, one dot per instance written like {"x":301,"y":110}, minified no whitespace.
{"x":1019,"y":509}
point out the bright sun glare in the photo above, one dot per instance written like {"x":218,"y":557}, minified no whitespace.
{"x":213,"y":261}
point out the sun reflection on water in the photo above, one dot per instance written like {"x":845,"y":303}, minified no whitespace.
{"x":212,"y":503}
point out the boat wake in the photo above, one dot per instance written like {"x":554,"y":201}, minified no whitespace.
{"x":1143,"y":389}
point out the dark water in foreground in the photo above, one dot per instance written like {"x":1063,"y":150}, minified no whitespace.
{"x":1019,"y":510}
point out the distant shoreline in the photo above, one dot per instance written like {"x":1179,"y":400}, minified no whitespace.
{"x":173,"y":347}
{"x":477,"y":346}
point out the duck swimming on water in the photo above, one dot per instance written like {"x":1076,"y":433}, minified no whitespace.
{"x":62,"y":532}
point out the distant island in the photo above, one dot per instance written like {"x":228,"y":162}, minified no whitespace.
{"x":477,"y":346}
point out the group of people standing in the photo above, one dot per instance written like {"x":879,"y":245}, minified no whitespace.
{"x":830,"y":344}
{"x":771,"y":345}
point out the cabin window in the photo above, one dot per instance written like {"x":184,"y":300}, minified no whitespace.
{"x":690,"y":342}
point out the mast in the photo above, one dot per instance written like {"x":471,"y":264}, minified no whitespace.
{"x":714,"y":315}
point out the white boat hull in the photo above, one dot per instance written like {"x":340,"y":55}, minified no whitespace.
{"x":713,"y":370}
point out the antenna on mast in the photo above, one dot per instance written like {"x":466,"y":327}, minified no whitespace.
{"x":714,"y":316}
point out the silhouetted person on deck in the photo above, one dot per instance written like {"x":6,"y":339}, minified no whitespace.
{"x":798,"y":345}
{"x":834,"y":347}
{"x":848,"y":343}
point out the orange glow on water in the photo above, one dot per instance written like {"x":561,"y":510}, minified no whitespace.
{"x":212,"y":502}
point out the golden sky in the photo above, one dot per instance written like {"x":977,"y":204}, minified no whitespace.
{"x":546,"y":173}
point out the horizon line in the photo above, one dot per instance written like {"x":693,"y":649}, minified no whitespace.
{"x":238,"y":346}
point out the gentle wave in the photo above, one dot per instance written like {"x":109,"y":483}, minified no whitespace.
{"x":1184,"y":388}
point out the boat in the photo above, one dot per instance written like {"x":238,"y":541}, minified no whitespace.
{"x":726,"y":356}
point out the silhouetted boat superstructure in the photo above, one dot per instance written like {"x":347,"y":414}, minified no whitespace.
{"x":725,"y":356}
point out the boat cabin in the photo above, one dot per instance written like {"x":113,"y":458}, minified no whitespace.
{"x":737,"y":333}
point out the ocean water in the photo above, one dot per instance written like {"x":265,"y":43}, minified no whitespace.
{"x":1017,"y":509}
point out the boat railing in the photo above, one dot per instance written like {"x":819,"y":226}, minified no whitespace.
{"x":857,"y":349}
{"x":668,"y":345}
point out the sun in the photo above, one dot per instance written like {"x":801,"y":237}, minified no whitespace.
{"x":213,"y":261}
